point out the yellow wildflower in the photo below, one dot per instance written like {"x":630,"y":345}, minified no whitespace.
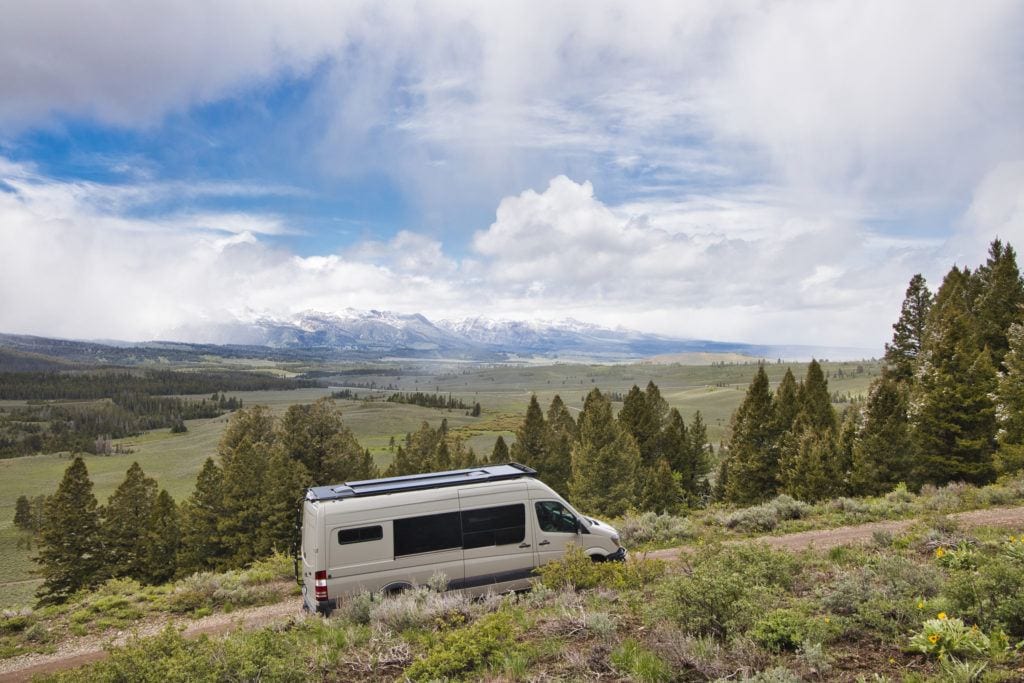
{"x":940,"y":551}
{"x":942,"y":616}
{"x":933,"y":638}
{"x":920,"y":604}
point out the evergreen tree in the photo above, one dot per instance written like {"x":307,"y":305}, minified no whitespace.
{"x":1000,"y":300}
{"x":642,"y":421}
{"x":245,"y":475}
{"x":908,"y":332}
{"x":605,"y":461}
{"x":753,"y":468}
{"x":883,"y":451}
{"x":23,"y":513}
{"x":815,"y":401}
{"x":500,"y":453}
{"x":953,"y":414}
{"x":561,"y":433}
{"x":1010,"y":404}
{"x":811,"y":474}
{"x":661,"y":490}
{"x":162,"y":541}
{"x":69,"y":544}
{"x":530,"y":446}
{"x":126,"y":520}
{"x":315,"y":436}
{"x":694,"y":477}
{"x":281,"y":500}
{"x":786,"y":403}
{"x":201,"y":546}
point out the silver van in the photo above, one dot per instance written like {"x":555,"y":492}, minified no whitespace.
{"x":484,"y":528}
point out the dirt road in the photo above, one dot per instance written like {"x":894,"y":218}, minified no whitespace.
{"x":823,"y":539}
{"x":81,"y":651}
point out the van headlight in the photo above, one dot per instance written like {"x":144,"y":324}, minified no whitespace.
{"x":615,"y":540}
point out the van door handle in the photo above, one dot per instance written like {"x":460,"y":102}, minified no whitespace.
{"x":524,"y":545}
{"x":544,"y":543}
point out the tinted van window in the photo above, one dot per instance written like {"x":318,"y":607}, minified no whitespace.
{"x":499,"y":525}
{"x":360,"y":535}
{"x":427,"y":534}
{"x":552,"y":516}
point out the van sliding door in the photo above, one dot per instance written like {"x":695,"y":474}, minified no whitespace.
{"x":497,"y":539}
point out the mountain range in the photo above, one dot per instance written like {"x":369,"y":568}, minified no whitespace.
{"x":373,"y":335}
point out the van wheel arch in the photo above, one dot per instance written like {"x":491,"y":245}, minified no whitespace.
{"x":395,"y":588}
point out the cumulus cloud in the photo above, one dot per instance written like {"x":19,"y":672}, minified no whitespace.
{"x":81,"y":272}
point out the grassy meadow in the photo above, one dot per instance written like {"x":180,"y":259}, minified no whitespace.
{"x":503,"y":392}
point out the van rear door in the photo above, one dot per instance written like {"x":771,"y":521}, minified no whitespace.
{"x":497,"y":536}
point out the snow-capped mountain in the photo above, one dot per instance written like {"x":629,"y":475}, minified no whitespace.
{"x":384,"y":333}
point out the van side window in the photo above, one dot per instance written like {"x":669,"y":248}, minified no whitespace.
{"x":360,"y":535}
{"x":493,"y":526}
{"x":427,"y":534}
{"x":553,"y":517}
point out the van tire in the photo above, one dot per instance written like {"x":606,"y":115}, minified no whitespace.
{"x":395,"y":589}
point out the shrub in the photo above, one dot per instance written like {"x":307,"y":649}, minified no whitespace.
{"x":639,"y":663}
{"x":900,"y":494}
{"x":650,"y":527}
{"x":724,"y":589}
{"x":787,"y":629}
{"x":467,"y":649}
{"x":789,"y":508}
{"x":420,"y":608}
{"x":990,"y":595}
{"x":756,"y":518}
{"x":851,"y":506}
{"x":577,"y":571}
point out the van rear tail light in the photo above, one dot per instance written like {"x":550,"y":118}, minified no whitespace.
{"x":320,"y":585}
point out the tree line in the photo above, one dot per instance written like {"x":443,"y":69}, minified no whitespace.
{"x":89,"y":426}
{"x":34,"y":386}
{"x":949,"y":405}
{"x":444,"y":401}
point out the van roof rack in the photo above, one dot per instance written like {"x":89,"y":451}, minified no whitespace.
{"x":413,"y":482}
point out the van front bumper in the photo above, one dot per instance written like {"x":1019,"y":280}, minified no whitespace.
{"x":618,"y":556}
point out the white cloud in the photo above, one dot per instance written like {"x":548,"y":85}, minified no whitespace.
{"x":83,"y":272}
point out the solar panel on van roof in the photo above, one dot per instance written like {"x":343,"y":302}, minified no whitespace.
{"x":413,"y":482}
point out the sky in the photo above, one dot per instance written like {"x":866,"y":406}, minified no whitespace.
{"x":765,"y":172}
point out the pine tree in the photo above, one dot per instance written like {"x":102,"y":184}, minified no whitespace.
{"x":245,"y":475}
{"x":908,"y":332}
{"x":162,"y":541}
{"x":815,"y":401}
{"x":561,"y":433}
{"x":662,"y":490}
{"x":753,"y":468}
{"x":69,"y":544}
{"x":883,"y":451}
{"x":530,"y":446}
{"x":126,"y":520}
{"x":500,"y":453}
{"x":201,"y":546}
{"x":643,"y":414}
{"x":23,"y":513}
{"x":694,"y":477}
{"x":605,"y":461}
{"x":952,"y":412}
{"x":1010,"y":405}
{"x":786,"y":403}
{"x":315,"y":436}
{"x":281,"y":500}
{"x":1000,"y":300}
{"x":810,"y":473}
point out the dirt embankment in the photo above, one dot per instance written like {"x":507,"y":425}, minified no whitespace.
{"x":81,"y":651}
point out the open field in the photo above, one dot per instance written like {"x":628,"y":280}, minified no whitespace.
{"x":503,"y":391}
